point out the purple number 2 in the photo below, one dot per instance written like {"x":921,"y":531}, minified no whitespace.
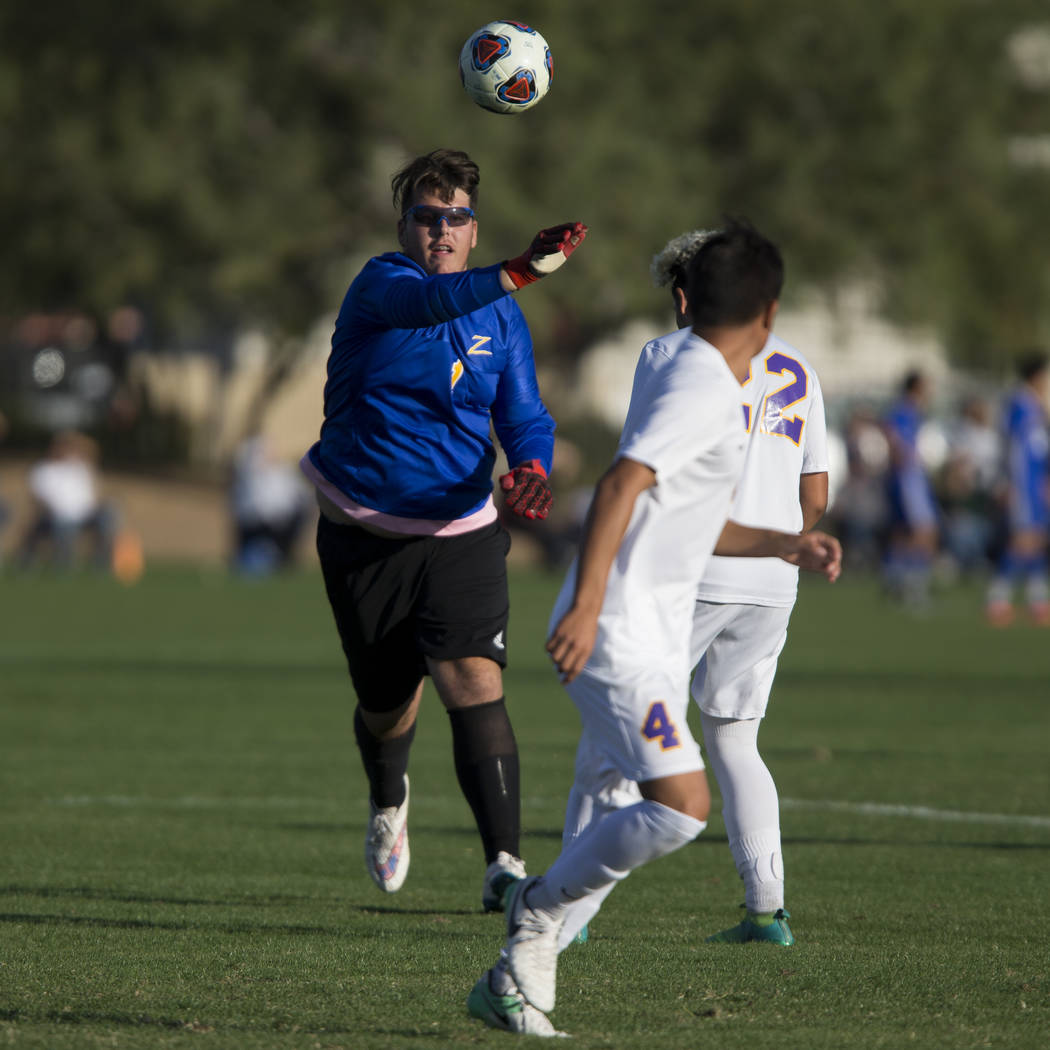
{"x":774,"y":420}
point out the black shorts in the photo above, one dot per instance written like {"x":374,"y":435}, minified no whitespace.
{"x":399,"y":600}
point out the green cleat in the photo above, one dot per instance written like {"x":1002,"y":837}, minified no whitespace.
{"x":508,"y":1012}
{"x":769,"y":927}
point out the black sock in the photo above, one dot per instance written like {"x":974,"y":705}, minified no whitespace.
{"x":385,"y":762}
{"x":486,"y":756}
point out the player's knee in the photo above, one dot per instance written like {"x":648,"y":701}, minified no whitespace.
{"x":698,"y":804}
{"x":686,"y":793}
{"x":467,"y":681}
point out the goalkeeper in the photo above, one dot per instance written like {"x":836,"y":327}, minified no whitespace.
{"x":427,"y":358}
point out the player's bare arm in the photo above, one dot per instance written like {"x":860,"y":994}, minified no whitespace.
{"x":813,"y":498}
{"x":812,"y":551}
{"x":572,"y":639}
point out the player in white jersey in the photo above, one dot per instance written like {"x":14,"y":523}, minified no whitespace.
{"x":620,"y":634}
{"x":741,"y":616}
{"x":741,"y":619}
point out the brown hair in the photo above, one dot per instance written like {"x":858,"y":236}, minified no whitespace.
{"x":442,"y":171}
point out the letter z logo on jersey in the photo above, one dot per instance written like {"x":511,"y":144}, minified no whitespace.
{"x":476,"y":347}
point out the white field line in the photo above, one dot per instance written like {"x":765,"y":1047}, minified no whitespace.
{"x":948,"y":816}
{"x":869,"y":809}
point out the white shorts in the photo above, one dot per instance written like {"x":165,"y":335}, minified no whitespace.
{"x":735,"y":649}
{"x":637,"y":723}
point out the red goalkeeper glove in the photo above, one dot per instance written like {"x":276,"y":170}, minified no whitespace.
{"x":549,"y":249}
{"x":526,"y":490}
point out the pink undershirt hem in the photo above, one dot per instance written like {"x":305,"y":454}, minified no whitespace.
{"x":355,"y":514}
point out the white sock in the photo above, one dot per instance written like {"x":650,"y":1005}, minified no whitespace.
{"x":581,"y":810}
{"x":750,"y":808}
{"x":598,"y":790}
{"x":579,"y":913}
{"x":609,"y":850}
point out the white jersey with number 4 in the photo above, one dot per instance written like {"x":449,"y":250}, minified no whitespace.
{"x":787,"y":437}
{"x":684,"y":423}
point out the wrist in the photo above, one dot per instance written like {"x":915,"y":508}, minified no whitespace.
{"x":518,"y":273}
{"x":534,"y":465}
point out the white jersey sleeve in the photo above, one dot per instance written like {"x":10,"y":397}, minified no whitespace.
{"x":787,"y":437}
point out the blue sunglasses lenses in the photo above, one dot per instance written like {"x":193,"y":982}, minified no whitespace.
{"x":428,"y":215}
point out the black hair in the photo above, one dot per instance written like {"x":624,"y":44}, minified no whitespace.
{"x":912,"y":381}
{"x":1031,"y":363}
{"x":734,"y":277}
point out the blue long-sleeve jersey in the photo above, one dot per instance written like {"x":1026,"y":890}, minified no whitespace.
{"x":1028,"y":460}
{"x":910,"y":494}
{"x":420,"y":367}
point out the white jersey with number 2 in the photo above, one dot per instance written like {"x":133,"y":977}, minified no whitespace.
{"x":784,"y":417}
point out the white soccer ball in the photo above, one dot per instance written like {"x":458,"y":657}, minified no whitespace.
{"x":506,"y":67}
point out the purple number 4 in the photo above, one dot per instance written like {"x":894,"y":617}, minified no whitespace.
{"x":658,"y":726}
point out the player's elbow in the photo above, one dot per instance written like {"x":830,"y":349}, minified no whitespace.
{"x":812,"y":513}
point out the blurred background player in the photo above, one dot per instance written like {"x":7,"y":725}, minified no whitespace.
{"x":67,"y":506}
{"x":969,"y":483}
{"x":427,"y":356}
{"x":620,"y":630}
{"x":1024,"y":557}
{"x":914,"y":530}
{"x":269,"y":508}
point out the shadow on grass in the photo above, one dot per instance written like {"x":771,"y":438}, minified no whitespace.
{"x":124,"y":897}
{"x":287,"y":929}
{"x":123,"y":1020}
{"x":178,"y":668}
{"x":419,"y":830}
{"x":35,"y":919}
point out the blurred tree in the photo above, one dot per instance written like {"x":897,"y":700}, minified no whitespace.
{"x":201,"y":156}
{"x":227,"y":163}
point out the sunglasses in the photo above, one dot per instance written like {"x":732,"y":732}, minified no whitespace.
{"x":430,"y":215}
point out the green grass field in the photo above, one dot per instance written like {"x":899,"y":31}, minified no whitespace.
{"x":183,"y":813}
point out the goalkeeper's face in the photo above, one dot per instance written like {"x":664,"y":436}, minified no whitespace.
{"x":436,"y":234}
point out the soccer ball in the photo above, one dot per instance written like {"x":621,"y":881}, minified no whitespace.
{"x":506,"y":67}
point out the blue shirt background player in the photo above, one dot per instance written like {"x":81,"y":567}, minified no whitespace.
{"x":1023,"y":561}
{"x":914,"y":527}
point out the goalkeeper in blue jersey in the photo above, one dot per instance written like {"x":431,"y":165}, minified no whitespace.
{"x":428,"y":358}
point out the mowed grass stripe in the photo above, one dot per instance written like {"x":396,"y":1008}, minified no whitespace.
{"x":872,"y":809}
{"x":183,"y":814}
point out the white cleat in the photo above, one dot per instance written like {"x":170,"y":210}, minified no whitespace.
{"x":507,"y":1009}
{"x":500,"y":875}
{"x":386,"y":845}
{"x":532,"y":947}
